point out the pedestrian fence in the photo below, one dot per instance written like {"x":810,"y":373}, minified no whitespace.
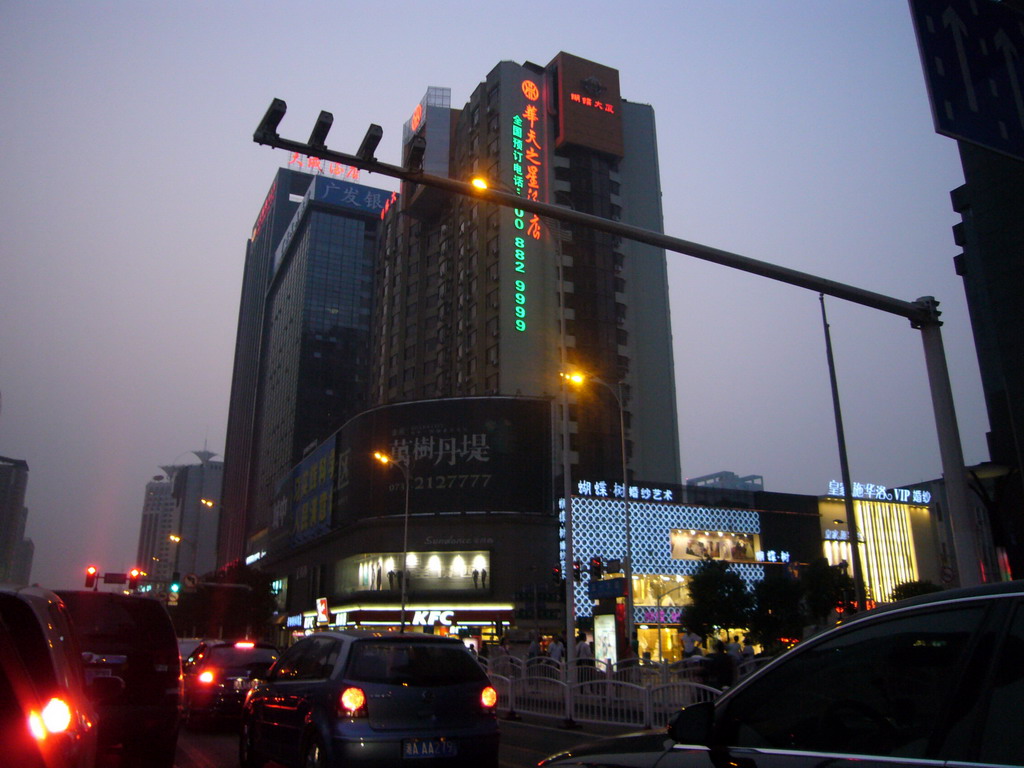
{"x":629,"y":694}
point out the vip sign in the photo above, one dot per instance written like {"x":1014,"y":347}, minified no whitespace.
{"x":430,"y":618}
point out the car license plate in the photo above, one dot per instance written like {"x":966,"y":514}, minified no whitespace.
{"x":413,"y":748}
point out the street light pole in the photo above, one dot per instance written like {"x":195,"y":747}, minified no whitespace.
{"x":617,"y":393}
{"x":383,"y":458}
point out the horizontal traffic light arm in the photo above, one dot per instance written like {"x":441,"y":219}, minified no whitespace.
{"x":920,"y":312}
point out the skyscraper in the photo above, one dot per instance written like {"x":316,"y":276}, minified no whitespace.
{"x":476,"y":299}
{"x":13,"y":514}
{"x":303,"y":338}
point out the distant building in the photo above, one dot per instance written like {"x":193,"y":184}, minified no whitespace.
{"x":186,"y":505}
{"x":13,"y":515}
{"x":727,"y":481}
{"x":156,"y":550}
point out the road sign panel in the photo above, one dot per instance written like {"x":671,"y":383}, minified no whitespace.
{"x":971,"y":54}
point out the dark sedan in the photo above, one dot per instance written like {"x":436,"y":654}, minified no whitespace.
{"x":217,"y":676}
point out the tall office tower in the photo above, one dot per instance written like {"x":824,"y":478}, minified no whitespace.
{"x":156,"y":550}
{"x":477,"y":299}
{"x":13,"y":514}
{"x":303,"y":338}
{"x":991,"y":203}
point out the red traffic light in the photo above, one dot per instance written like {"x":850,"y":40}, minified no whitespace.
{"x":133,"y":578}
{"x":90,"y":576}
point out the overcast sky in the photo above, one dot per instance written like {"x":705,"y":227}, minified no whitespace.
{"x":797,"y":133}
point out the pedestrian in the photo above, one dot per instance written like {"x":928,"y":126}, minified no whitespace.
{"x":721,"y":668}
{"x":533,"y":651}
{"x":556,"y":649}
{"x":734,"y":647}
{"x":584,"y":653}
{"x":690,"y":642}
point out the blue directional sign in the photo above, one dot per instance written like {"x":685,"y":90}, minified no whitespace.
{"x":971,"y":53}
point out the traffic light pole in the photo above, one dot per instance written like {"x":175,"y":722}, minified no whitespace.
{"x":923,"y":313}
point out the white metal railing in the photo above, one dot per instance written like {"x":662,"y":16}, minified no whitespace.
{"x":631,"y":695}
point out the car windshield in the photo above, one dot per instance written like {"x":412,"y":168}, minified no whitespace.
{"x":412,"y":664}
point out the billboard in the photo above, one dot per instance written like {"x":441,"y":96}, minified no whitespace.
{"x":462,"y":455}
{"x":589,"y":105}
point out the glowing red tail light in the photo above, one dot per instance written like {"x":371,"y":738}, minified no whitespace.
{"x":55,"y":717}
{"x":207,"y":676}
{"x":489,"y":697}
{"x":353,"y":702}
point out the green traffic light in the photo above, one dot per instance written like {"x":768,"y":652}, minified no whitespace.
{"x":175,"y":587}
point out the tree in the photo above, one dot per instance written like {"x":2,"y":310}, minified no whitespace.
{"x":235,"y":601}
{"x":913,"y":589}
{"x":824,"y":587}
{"x":719,"y":599}
{"x":777,"y":612}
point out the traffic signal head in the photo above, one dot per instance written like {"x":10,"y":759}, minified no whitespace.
{"x":596,"y":568}
{"x":576,"y":570}
{"x":556,"y":574}
{"x":90,"y":576}
{"x":175,"y":582}
{"x":133,"y":578}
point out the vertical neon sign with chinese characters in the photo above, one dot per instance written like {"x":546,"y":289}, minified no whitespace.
{"x":527,"y":178}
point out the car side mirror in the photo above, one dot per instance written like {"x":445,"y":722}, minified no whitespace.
{"x":104,"y":688}
{"x":693,"y":724}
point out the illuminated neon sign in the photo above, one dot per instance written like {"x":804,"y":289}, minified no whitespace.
{"x":589,"y":101}
{"x":527,"y":167}
{"x":881,"y":493}
{"x":319,"y":166}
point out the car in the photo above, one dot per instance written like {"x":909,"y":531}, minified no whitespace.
{"x":362,"y":698}
{"x":932,"y":680}
{"x":131,"y":637}
{"x":186,"y":645}
{"x":217,"y":676}
{"x":47,"y":712}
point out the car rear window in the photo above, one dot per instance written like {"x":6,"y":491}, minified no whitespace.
{"x":101,"y":620}
{"x":233,"y":656}
{"x":412,"y":664}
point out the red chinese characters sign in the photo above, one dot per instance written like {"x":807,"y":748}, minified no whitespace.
{"x":528,"y":181}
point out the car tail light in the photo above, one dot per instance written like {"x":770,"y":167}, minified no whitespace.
{"x":245,"y":644}
{"x":353,"y":702}
{"x":207,"y":676}
{"x":55,"y":718}
{"x":489,"y":697}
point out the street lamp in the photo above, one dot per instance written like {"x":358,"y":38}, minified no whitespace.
{"x":383,"y":458}
{"x":578,"y":379}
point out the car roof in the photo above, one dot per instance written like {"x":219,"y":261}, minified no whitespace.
{"x":399,"y":637}
{"x":995,"y":589}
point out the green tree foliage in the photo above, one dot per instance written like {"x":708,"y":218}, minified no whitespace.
{"x":233,"y":602}
{"x":913,"y":589}
{"x":719,"y":599}
{"x":777,"y":611}
{"x":824,"y":586}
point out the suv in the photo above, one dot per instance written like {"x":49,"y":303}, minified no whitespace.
{"x":132,"y":638}
{"x":47,"y":715}
{"x":217,"y":676}
{"x":369,"y":698}
{"x":928,"y":681}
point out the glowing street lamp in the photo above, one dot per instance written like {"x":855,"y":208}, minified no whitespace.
{"x":578,"y":379}
{"x":383,"y":458}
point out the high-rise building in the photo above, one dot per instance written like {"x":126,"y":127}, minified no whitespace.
{"x":180,"y":519}
{"x":303,"y":338}
{"x":13,"y":515}
{"x":477,"y":299}
{"x":156,"y":550}
{"x":991,"y":203}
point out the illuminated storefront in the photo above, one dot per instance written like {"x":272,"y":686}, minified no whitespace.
{"x":895,"y":529}
{"x":669,"y":541}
